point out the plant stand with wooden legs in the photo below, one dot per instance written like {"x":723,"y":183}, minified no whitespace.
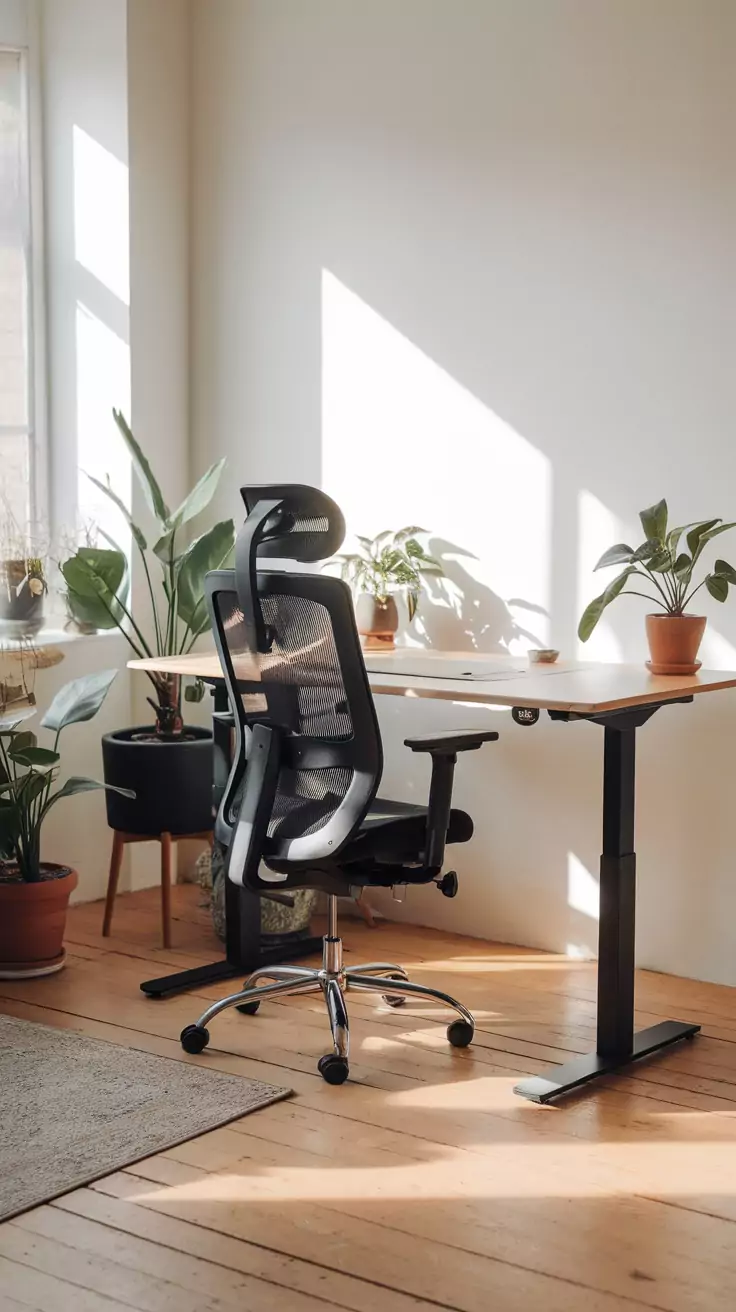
{"x":116,"y":861}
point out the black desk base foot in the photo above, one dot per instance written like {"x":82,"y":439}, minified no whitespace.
{"x":579,"y":1071}
{"x":218,"y":970}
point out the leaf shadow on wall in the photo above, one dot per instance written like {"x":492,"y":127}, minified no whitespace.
{"x":458,"y":613}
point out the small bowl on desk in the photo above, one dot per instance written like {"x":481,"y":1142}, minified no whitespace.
{"x":542,"y":655}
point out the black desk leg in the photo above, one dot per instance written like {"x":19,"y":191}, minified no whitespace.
{"x":243,"y":950}
{"x":617,"y":1044}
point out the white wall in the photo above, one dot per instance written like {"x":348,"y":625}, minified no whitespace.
{"x":115,"y":78}
{"x":472,"y":265}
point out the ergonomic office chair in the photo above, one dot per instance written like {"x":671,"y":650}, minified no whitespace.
{"x":300,"y":809}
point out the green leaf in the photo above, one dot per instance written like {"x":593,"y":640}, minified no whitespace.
{"x":724,"y":570}
{"x":78,"y":784}
{"x":712,"y":533}
{"x":199,"y":497}
{"x":151,"y":489}
{"x":42,"y":756}
{"x":644,"y":553}
{"x":696,"y":533}
{"x":410,"y":532}
{"x":717,"y":586}
{"x":660,"y":563}
{"x":91,"y":611}
{"x":654,"y":521}
{"x":78,"y":700}
{"x":109,"y":491}
{"x":412,"y":602}
{"x":213,"y":550}
{"x":682,"y":565}
{"x":95,"y":571}
{"x":621,"y":554}
{"x":164,"y":547}
{"x":20,"y":741}
{"x":97,"y":583}
{"x":595,"y":608}
{"x":674,"y":535}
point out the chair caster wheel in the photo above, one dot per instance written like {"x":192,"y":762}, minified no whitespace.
{"x":333,"y":1069}
{"x":460,"y":1033}
{"x":194,"y":1039}
{"x":248,"y":1008}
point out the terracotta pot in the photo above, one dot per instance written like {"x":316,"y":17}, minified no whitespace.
{"x":673,"y":643}
{"x":32,"y":923}
{"x":378,"y":620}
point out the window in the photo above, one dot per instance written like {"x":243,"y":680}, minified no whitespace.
{"x":20,"y":475}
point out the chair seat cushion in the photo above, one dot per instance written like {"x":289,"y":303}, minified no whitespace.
{"x":392,"y":834}
{"x":400,"y":828}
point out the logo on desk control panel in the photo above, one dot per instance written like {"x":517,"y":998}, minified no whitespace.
{"x":525,"y":714}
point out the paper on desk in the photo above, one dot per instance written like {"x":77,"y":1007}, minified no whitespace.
{"x":430,"y":668}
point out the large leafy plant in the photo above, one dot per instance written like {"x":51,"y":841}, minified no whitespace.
{"x":28,"y":773}
{"x":390,"y":561}
{"x":664,"y":566}
{"x":97,"y":578}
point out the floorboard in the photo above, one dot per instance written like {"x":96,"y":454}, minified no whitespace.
{"x":424,"y":1182}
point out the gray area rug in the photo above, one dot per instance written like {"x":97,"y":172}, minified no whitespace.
{"x":73,"y":1109}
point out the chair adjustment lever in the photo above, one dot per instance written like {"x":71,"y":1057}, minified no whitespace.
{"x":448,"y":884}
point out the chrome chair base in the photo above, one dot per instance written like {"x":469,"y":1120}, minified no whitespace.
{"x":333,"y":980}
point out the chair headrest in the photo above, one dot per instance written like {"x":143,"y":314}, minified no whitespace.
{"x":307,"y":525}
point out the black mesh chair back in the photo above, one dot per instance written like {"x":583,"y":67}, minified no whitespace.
{"x":293,"y":664}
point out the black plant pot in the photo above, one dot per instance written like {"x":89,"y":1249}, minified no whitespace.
{"x":172,"y":781}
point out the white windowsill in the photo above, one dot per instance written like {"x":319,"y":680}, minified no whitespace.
{"x":56,"y":637}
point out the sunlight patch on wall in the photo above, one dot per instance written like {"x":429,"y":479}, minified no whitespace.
{"x":582,"y":888}
{"x":404,"y":443}
{"x":716,"y":652}
{"x":101,"y":239}
{"x":598,"y":529}
{"x":103,"y":380}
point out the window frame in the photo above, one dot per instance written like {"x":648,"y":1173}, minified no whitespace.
{"x":25,"y":42}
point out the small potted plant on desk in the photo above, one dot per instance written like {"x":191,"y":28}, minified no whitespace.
{"x":666,"y":569}
{"x":168,"y":764}
{"x":34,"y":894}
{"x":384,"y":565}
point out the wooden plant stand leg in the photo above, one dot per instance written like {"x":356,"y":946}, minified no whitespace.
{"x":116,"y":861}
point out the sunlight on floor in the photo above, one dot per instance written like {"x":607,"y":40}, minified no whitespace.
{"x":483,"y":1171}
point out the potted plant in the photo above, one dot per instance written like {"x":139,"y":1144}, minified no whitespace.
{"x":168,"y":765}
{"x":23,"y":584}
{"x":384,"y":565}
{"x":666,"y":570}
{"x":34,"y":893}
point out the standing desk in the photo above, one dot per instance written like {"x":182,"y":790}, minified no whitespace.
{"x":619,"y":698}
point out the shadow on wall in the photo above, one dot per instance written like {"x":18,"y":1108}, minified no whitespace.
{"x":457,"y":612}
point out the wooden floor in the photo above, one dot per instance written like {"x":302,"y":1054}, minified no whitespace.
{"x":424,"y":1182}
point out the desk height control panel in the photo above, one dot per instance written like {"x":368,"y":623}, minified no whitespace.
{"x":525,"y":714}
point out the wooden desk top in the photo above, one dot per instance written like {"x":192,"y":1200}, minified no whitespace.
{"x":572,"y":686}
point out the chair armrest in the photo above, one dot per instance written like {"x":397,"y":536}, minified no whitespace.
{"x":443,"y":749}
{"x":451,"y":741}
